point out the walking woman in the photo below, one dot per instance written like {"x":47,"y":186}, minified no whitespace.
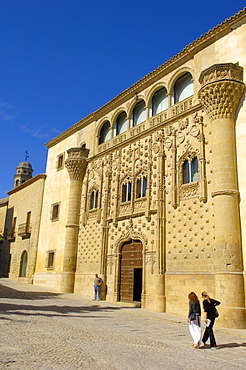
{"x":194,"y":319}
{"x":209,"y":319}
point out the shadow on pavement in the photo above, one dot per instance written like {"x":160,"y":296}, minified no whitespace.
{"x":231,"y":345}
{"x":7,"y":292}
{"x":7,"y":308}
{"x":17,"y":309}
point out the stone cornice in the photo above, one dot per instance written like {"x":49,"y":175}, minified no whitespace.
{"x":191,"y":49}
{"x":27,"y":183}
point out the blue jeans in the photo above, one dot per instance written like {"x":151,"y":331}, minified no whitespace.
{"x":97,"y":291}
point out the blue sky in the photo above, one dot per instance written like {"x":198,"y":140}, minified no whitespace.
{"x":62,"y":59}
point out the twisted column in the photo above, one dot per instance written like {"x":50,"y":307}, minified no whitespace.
{"x":220,"y":94}
{"x":76,"y":164}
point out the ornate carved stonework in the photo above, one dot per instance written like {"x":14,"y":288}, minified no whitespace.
{"x":76,"y":162}
{"x":189,"y":191}
{"x":151,"y":260}
{"x":221,"y":90}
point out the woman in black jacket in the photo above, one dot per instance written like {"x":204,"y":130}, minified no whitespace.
{"x":194,"y":319}
{"x":209,"y":319}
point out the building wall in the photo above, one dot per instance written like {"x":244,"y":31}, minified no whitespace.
{"x":24,"y":238}
{"x":180,"y":225}
{"x":4,"y":245}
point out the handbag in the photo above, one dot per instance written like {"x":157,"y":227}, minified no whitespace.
{"x":216,"y":313}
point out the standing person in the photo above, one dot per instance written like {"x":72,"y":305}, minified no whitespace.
{"x":194,"y":319}
{"x":210,"y":314}
{"x":97,"y":287}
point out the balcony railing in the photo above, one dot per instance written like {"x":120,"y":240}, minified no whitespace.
{"x":24,"y":230}
{"x":10,"y":234}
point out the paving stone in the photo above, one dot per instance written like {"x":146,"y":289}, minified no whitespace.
{"x":45,"y":330}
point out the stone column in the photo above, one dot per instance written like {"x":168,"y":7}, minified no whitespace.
{"x":220,"y":94}
{"x":76,"y":165}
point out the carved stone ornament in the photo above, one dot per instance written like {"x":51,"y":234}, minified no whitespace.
{"x":221,"y":91}
{"x":76,"y":162}
{"x":194,"y":131}
{"x":151,"y":260}
{"x":168,"y":143}
{"x":129,"y":235}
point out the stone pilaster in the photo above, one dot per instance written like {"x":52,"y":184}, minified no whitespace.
{"x":76,"y":164}
{"x":220,"y":94}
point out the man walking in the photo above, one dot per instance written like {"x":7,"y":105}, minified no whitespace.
{"x":97,"y":287}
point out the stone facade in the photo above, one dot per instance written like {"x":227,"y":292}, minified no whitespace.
{"x":4,"y":245}
{"x":149,"y":190}
{"x":22,"y":227}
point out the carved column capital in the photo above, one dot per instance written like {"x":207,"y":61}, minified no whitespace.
{"x":221,"y":91}
{"x":76,"y":162}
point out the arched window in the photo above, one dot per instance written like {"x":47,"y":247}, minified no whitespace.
{"x":159,"y":101}
{"x":190,"y":171}
{"x":23,"y":264}
{"x":104,"y":133}
{"x":139,"y":113}
{"x":120,"y":124}
{"x":183,"y":88}
{"x":94,"y":199}
{"x":126,"y":191}
{"x":141,"y":187}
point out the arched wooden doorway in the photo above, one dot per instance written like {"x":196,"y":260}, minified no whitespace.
{"x":23,"y":264}
{"x":131,"y":271}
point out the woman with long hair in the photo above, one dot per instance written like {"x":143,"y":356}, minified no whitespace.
{"x":194,"y":319}
{"x":209,"y":319}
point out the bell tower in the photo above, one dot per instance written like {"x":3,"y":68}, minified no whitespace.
{"x":23,"y":172}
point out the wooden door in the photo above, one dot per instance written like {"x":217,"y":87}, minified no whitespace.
{"x":131,"y":271}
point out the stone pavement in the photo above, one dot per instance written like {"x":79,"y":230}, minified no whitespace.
{"x":41,"y":329}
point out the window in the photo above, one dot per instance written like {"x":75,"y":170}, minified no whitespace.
{"x":159,"y":101}
{"x":28,"y":222}
{"x":126,"y":191}
{"x":141,"y":187}
{"x":23,"y":264}
{"x":104,"y":133}
{"x":120,"y":124}
{"x":190,"y":171}
{"x":50,"y":256}
{"x":60,"y":161}
{"x":55,"y":212}
{"x":183,"y":88}
{"x":139,"y":114}
{"x":94,"y":200}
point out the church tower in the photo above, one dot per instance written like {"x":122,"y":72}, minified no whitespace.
{"x":23,"y":172}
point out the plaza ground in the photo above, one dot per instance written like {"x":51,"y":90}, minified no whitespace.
{"x":45,"y":330}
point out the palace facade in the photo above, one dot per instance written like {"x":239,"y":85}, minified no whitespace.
{"x":149,"y":191}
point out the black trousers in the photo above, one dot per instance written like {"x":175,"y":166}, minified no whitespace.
{"x":209,"y":333}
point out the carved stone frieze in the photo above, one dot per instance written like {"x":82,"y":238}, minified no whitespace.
{"x":139,"y":205}
{"x":125,"y":209}
{"x":188,"y":191}
{"x":92,"y":215}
